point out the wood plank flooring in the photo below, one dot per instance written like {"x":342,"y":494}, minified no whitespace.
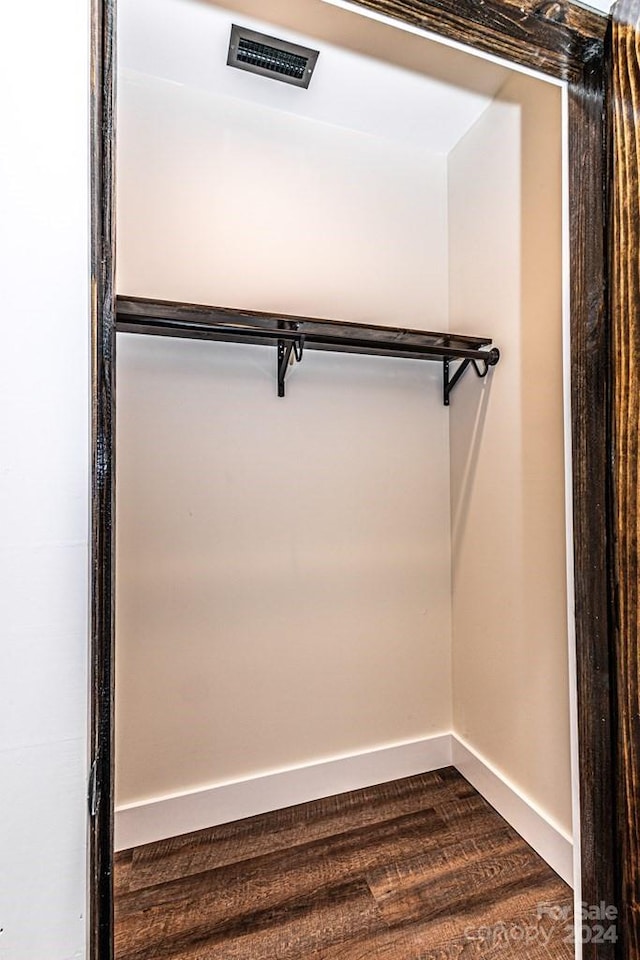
{"x":416,"y":869}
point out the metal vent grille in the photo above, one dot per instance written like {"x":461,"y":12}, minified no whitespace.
{"x":270,"y":57}
{"x":262,"y":55}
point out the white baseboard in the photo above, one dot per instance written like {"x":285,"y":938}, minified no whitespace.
{"x":546,"y":837}
{"x":163,"y":817}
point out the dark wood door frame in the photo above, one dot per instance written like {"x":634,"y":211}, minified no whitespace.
{"x":624,"y":122}
{"x":102,"y":622}
{"x":562,"y":41}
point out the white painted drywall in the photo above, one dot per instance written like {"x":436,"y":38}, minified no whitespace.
{"x":221,"y":201}
{"x":603,"y":5}
{"x":283,"y":565}
{"x":44,"y":477}
{"x":510,"y":679}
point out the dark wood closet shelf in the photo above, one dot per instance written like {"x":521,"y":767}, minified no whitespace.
{"x":295,"y":334}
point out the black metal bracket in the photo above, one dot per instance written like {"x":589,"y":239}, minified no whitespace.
{"x":449,"y":382}
{"x":285,"y":350}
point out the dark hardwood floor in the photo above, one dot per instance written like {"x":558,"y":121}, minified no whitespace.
{"x":417,"y":869}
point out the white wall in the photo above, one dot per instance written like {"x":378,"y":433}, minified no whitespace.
{"x":231,"y":203}
{"x":44,"y":478}
{"x":283,"y":565}
{"x":511,"y":682}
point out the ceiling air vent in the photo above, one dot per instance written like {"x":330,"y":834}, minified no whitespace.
{"x":270,"y":57}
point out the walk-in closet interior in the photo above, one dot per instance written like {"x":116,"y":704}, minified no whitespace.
{"x":340,"y":566}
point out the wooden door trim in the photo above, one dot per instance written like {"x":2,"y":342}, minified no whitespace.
{"x":624,"y":111}
{"x":555,"y":38}
{"x":592,"y":491}
{"x":102,"y":612}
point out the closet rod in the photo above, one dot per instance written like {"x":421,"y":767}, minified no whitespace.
{"x":293,"y":334}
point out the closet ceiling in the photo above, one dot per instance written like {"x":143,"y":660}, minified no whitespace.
{"x":603,"y":5}
{"x":371,"y":77}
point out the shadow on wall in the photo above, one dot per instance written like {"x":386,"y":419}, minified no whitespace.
{"x":472,"y":434}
